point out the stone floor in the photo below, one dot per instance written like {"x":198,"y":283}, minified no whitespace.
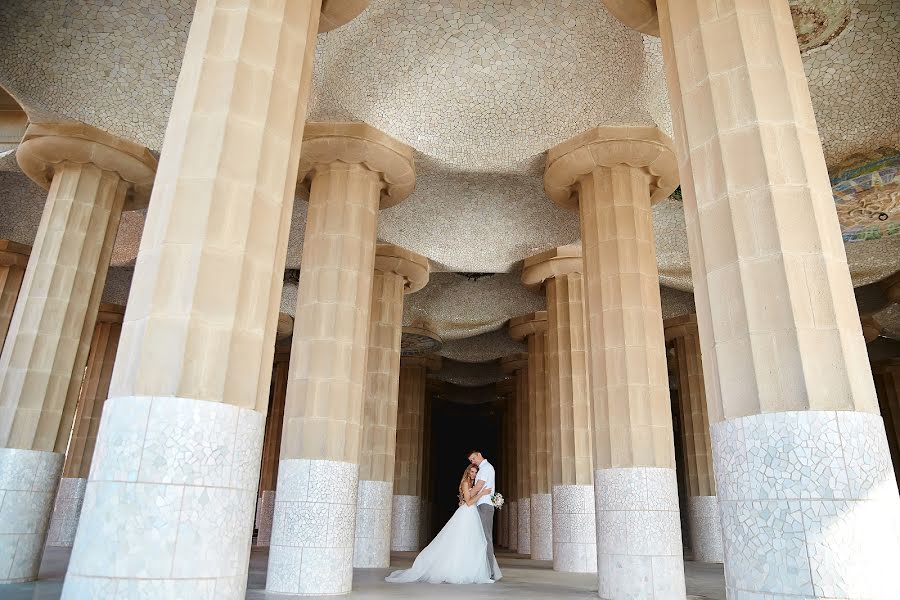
{"x":522,"y":578}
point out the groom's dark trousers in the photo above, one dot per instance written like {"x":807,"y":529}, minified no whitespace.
{"x":486,"y":512}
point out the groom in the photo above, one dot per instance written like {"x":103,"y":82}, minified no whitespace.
{"x":486,"y":479}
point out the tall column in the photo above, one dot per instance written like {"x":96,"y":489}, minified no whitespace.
{"x":612,"y":175}
{"x":785,"y":364}
{"x":271,"y":448}
{"x":574,"y":527}
{"x":351,"y":169}
{"x":505,"y":401}
{"x":407,"y":501}
{"x":533,"y":329}
{"x":425,"y":522}
{"x":93,"y":392}
{"x":513,"y":365}
{"x":13,"y":260}
{"x":887,"y":385}
{"x":176,"y":468}
{"x":91,"y":177}
{"x":703,"y":506}
{"x":518,"y":364}
{"x":397,"y":272}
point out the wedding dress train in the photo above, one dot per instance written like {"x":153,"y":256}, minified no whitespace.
{"x":458,"y":554}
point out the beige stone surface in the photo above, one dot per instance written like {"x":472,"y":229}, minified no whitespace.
{"x":612,"y":174}
{"x":94,"y":391}
{"x":517,"y":365}
{"x":351,"y":169}
{"x":778,"y":321}
{"x":13,"y":260}
{"x":682,"y":334}
{"x":411,"y":424}
{"x":339,"y":12}
{"x":559,"y":271}
{"x":271,"y":450}
{"x":635,"y":14}
{"x":202,"y":315}
{"x":397,"y":272}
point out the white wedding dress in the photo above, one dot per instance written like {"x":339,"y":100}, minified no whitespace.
{"x":458,"y":554}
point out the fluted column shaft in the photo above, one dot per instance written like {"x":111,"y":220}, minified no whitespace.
{"x":271,"y":449}
{"x":539,"y":448}
{"x":184,"y":424}
{"x":783,"y":351}
{"x":13,"y":260}
{"x":524,"y":468}
{"x":93,"y":392}
{"x":407,"y":502}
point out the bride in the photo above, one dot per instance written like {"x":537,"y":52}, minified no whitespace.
{"x":457,"y":553}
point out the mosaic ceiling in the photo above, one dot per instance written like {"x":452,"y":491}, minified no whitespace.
{"x":480,"y":90}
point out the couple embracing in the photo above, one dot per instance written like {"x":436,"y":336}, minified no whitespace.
{"x":463,"y":551}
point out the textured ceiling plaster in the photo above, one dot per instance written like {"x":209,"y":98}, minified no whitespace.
{"x":482,"y":348}
{"x":468,"y":374}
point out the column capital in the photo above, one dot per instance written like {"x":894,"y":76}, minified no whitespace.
{"x":417,"y":340}
{"x":552,"y":263}
{"x":526,"y":325}
{"x":431,"y":362}
{"x":505,"y":388}
{"x":871,"y":329}
{"x":13,"y":254}
{"x":110,"y":313}
{"x":409,"y":265}
{"x":891,"y":287}
{"x":336,"y":13}
{"x":635,"y":14}
{"x":285,"y":327}
{"x":675,"y":327}
{"x":514,"y":362}
{"x":48,"y":145}
{"x":643,"y":148}
{"x":360,"y":144}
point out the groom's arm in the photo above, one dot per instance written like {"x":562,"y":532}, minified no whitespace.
{"x":479,"y":485}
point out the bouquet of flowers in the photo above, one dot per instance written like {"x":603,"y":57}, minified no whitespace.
{"x":497,"y":500}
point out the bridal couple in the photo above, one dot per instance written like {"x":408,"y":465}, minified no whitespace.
{"x":463,"y":552}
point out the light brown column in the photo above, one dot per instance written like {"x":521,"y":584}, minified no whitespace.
{"x":13,"y":260}
{"x":532,"y":328}
{"x":612,"y":175}
{"x":518,"y":365}
{"x":271,"y":448}
{"x":93,"y":392}
{"x":407,"y":502}
{"x":351,"y":169}
{"x":574,"y":536}
{"x":191,"y":383}
{"x":512,"y":365}
{"x":506,"y":395}
{"x":91,"y":178}
{"x":887,"y":385}
{"x":702,"y":503}
{"x":397,"y":272}
{"x":783,"y":350}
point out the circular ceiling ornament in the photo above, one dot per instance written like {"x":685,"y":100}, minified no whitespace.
{"x":866,"y":189}
{"x":818,"y":22}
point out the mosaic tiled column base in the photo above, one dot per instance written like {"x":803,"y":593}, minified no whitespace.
{"x":513,"y":509}
{"x":524,"y":526}
{"x":168,"y":508}
{"x":542,"y":527}
{"x":66,"y":512}
{"x":373,"y":525}
{"x":405,"y":520}
{"x":28,"y":481}
{"x":639,"y":552}
{"x":311,"y":552}
{"x":809,"y":506}
{"x":706,"y":529}
{"x":574,"y":529}
{"x":265,"y":515}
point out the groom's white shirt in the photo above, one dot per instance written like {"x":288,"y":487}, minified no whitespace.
{"x":487,"y":475}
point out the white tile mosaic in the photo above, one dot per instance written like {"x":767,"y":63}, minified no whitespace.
{"x":639,"y":552}
{"x":28,"y":482}
{"x":812,"y":507}
{"x":542,"y":527}
{"x":574,"y":529}
{"x":513,"y":509}
{"x":406,"y":516}
{"x":524,"y":537}
{"x":66,"y":512}
{"x":372,"y":548}
{"x":311,"y":550}
{"x":173,"y":516}
{"x":705,"y":528}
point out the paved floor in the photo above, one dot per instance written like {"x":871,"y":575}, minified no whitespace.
{"x":523,"y":579}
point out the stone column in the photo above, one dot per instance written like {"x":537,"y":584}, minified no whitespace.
{"x":351,"y":170}
{"x":505,"y":401}
{"x":612,"y":175}
{"x":574,"y":528}
{"x":93,"y":392}
{"x":271,"y":448}
{"x":407,"y":502}
{"x":887,"y":386}
{"x":512,"y":365}
{"x":13,"y":260}
{"x":703,"y":506}
{"x":532,"y":328}
{"x":91,"y":177}
{"x":785,"y":364}
{"x":176,"y":469}
{"x":518,"y":364}
{"x":425,"y":523}
{"x":397,"y":272}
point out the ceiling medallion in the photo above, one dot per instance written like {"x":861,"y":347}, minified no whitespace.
{"x":866,"y":189}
